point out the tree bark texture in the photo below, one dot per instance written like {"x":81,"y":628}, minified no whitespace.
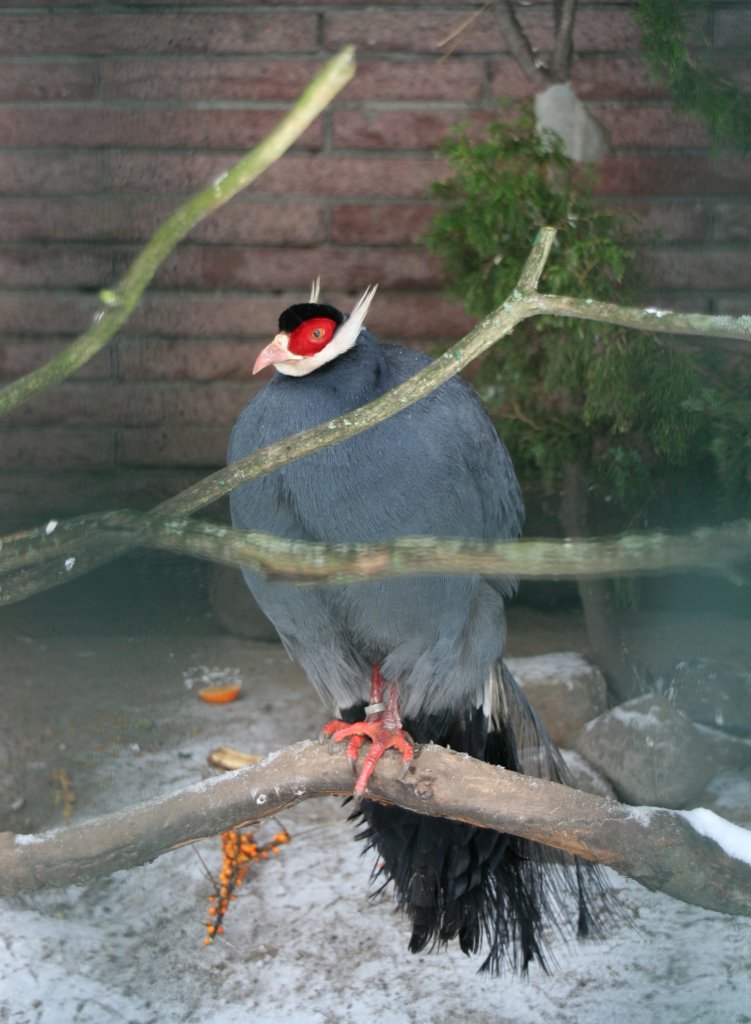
{"x":658,"y":848}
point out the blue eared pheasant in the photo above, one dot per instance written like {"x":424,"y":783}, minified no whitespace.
{"x":416,"y":659}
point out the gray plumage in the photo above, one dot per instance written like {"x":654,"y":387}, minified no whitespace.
{"x":435,"y":469}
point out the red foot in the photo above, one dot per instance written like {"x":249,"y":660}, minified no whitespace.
{"x":383,"y":727}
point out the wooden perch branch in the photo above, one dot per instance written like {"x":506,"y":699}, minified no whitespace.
{"x":658,"y":848}
{"x":119,"y":302}
{"x":713,"y":549}
{"x":93,"y":547}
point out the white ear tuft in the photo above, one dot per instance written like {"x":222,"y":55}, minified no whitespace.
{"x":315,"y":290}
{"x":346,"y":335}
{"x":363,"y":305}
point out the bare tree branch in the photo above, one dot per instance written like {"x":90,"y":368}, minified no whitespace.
{"x":657,"y":847}
{"x":119,"y":302}
{"x":563,"y":48}
{"x":712,"y":328}
{"x":91,"y":548}
{"x":714,"y":549}
{"x":519,"y":44}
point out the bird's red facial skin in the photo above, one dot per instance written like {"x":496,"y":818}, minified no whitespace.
{"x":310,"y":337}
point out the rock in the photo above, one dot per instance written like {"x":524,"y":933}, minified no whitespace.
{"x":728,"y":751}
{"x":234,"y":607}
{"x":711,"y":693}
{"x":560,"y":109}
{"x":564,"y":689}
{"x":651,"y":753}
{"x":729,"y":795}
{"x":585,"y":777}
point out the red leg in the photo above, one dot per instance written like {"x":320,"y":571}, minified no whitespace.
{"x":382,"y":726}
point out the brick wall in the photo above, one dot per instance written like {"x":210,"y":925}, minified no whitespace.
{"x":111,"y":113}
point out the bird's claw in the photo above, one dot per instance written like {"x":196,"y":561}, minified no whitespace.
{"x":382,"y":737}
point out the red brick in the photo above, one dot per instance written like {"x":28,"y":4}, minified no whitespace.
{"x":295,"y":175}
{"x":145,"y":127}
{"x":380,"y":223}
{"x":403,"y":315}
{"x":125,"y":220}
{"x":47,"y":172}
{"x":206,"y":78}
{"x":651,"y":128}
{"x":402,"y":129}
{"x":615,"y":78}
{"x":420,"y":30}
{"x":19,"y":356}
{"x":707,"y":268}
{"x":732,"y":28}
{"x":733,"y":221}
{"x":596,"y":29}
{"x":147,"y":32}
{"x":37,"y":496}
{"x":180,"y":173}
{"x":35,"y":81}
{"x":92,"y":405}
{"x":57,"y":266}
{"x":673,"y":175}
{"x":668,"y":220}
{"x":737,"y":67}
{"x":152,"y":359}
{"x":186,"y":315}
{"x":732,"y":305}
{"x":170,"y":446}
{"x":246,"y":220}
{"x":44,"y":311}
{"x":508,"y":81}
{"x":203,"y":403}
{"x":678,"y":301}
{"x":83,"y":219}
{"x":603,"y":30}
{"x":425,"y":78}
{"x":376,"y":29}
{"x":273,"y":269}
{"x":288,"y":3}
{"x":56,"y":448}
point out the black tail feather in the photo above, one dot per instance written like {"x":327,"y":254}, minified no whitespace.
{"x":488,"y":890}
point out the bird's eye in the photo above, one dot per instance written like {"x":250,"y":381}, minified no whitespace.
{"x":311,"y":336}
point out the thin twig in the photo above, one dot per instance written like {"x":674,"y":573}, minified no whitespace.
{"x":119,"y":302}
{"x":560,"y":61}
{"x":519,"y":44}
{"x":91,"y":548}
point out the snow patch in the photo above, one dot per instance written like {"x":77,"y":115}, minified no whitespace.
{"x":637,"y":719}
{"x":211,"y":675}
{"x":735,"y":841}
{"x":545,"y":667}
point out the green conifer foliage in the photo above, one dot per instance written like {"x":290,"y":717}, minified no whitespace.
{"x":681,"y":58}
{"x":661,"y":435}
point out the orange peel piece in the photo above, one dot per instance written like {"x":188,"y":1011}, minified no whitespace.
{"x":222,"y":693}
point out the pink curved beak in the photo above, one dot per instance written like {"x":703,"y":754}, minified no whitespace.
{"x":275,"y":352}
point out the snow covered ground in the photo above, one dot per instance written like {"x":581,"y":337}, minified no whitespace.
{"x":303,"y":943}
